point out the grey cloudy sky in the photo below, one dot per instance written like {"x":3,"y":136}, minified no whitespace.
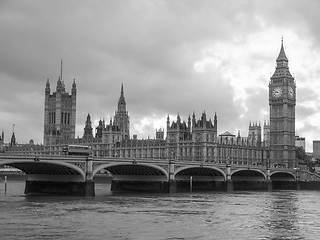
{"x":172,"y":57}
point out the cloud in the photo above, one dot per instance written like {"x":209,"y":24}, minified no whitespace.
{"x":172,"y":56}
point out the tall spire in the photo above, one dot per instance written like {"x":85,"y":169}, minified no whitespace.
{"x":282,"y":68}
{"x":122,"y":101}
{"x":121,"y":94}
{"x":61,"y":70}
{"x":121,"y":117}
{"x":13,"y":137}
{"x":282,"y":55}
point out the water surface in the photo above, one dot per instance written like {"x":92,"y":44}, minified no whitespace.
{"x":238,"y":215}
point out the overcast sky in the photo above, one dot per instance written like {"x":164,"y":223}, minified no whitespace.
{"x":172,"y":57}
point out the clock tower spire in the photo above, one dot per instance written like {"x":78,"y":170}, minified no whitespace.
{"x":282,"y":101}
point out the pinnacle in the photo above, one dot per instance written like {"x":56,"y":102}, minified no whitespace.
{"x":282,"y":55}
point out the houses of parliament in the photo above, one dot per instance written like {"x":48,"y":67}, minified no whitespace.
{"x":194,"y":139}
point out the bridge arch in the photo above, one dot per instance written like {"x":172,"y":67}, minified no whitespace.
{"x":42,"y":170}
{"x":199,"y":173}
{"x":282,"y":176}
{"x":134,"y":171}
{"x":248,"y":175}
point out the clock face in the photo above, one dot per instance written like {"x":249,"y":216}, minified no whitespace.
{"x":291,"y":92}
{"x":277,"y":92}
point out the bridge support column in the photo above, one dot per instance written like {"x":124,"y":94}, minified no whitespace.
{"x":298,"y":185}
{"x":59,"y":188}
{"x":297,"y":179}
{"x":268,"y":181}
{"x":269,"y":186}
{"x":88,"y":168}
{"x":172,"y":185}
{"x":229,"y":186}
{"x":89,"y":189}
{"x":115,"y":186}
{"x":229,"y":180}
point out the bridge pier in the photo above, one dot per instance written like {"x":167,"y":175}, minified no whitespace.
{"x":59,"y":188}
{"x":269,"y":186}
{"x":115,"y":186}
{"x":89,"y":189}
{"x":172,"y":186}
{"x":229,"y":181}
{"x":144,"y":186}
{"x":298,"y":179}
{"x":229,"y":186}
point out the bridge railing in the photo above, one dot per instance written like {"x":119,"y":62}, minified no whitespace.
{"x":41,"y":157}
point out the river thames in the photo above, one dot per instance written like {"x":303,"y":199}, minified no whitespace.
{"x":214,"y":215}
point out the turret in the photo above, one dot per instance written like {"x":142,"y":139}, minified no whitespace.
{"x":59,"y":113}
{"x":88,"y":128}
{"x":47,"y":90}
{"x":178,"y":121}
{"x":13,"y":140}
{"x":2,"y":137}
{"x":193,"y":120}
{"x":215,"y":122}
{"x":159,"y":134}
{"x":121,"y":118}
{"x":122,"y":101}
{"x":204,"y":119}
{"x":254,"y":134}
{"x":74,"y":87}
{"x":60,"y":86}
{"x":99,"y":130}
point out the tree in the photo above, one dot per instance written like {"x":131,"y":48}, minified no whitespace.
{"x":304,"y":159}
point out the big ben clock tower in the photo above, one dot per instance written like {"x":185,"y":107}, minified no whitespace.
{"x":282,"y":101}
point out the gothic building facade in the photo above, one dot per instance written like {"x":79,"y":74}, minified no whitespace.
{"x":59,"y":113}
{"x":195,"y":139}
{"x":191,"y":140}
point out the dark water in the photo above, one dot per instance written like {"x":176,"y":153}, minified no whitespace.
{"x":239,"y":215}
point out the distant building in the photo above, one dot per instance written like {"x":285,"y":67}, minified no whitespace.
{"x":228,"y":135}
{"x":316,"y":149}
{"x":2,"y":142}
{"x":25,"y":149}
{"x":301,"y":142}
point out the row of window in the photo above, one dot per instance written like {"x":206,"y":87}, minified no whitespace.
{"x":65,"y":118}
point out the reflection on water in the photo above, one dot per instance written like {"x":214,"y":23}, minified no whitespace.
{"x":239,"y":215}
{"x":283,"y":222}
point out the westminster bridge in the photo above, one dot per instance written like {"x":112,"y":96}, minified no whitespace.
{"x":74,"y":175}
